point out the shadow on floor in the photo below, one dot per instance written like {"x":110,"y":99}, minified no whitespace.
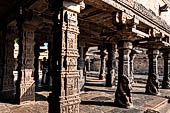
{"x":42,"y":89}
{"x":89,"y":89}
{"x":139,"y":93}
{"x":98,"y":103}
{"x":39,"y":97}
{"x":96,"y":85}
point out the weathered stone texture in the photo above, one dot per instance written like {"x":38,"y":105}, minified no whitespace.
{"x":65,"y":92}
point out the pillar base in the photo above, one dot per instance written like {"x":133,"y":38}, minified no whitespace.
{"x":27,"y":93}
{"x":60,"y":105}
{"x":7,"y":96}
{"x":152,"y":85}
{"x":119,"y":104}
{"x":123,"y":93}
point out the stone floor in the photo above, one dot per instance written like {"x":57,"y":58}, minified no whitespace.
{"x":97,"y":99}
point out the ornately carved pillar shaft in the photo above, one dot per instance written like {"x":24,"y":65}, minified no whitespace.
{"x":65,"y":93}
{"x":166,"y":78}
{"x":8,"y":79}
{"x":2,"y":55}
{"x":25,"y":81}
{"x":109,"y":76}
{"x":152,"y":82}
{"x":7,"y":60}
{"x":123,"y":96}
{"x":103,"y":65}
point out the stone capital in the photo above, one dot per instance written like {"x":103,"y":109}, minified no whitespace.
{"x":73,"y":6}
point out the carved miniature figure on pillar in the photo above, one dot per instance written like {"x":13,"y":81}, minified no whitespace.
{"x":152,"y":82}
{"x":123,"y":96}
{"x":166,"y":78}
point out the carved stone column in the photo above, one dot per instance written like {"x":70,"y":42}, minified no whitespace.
{"x":25,"y":81}
{"x":2,"y":55}
{"x":109,"y":75}
{"x":88,"y":64}
{"x":103,"y":65}
{"x":49,"y":81}
{"x":132,"y":56}
{"x":36,"y":61}
{"x":166,"y":78}
{"x":8,"y":79}
{"x":7,"y":58}
{"x":82,"y":65}
{"x":152,"y":82}
{"x":123,"y":96}
{"x":65,"y":92}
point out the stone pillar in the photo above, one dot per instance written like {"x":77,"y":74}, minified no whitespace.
{"x":49,"y":79}
{"x":2,"y":56}
{"x":166,"y":78}
{"x":81,"y":68}
{"x":109,"y":75}
{"x":132,"y":56}
{"x":103,"y":65}
{"x":123,"y":96}
{"x":25,"y":88}
{"x":8,"y":79}
{"x":115,"y":69}
{"x":152,"y":82}
{"x":88,"y":64}
{"x":7,"y":58}
{"x":36,"y":61}
{"x":65,"y":92}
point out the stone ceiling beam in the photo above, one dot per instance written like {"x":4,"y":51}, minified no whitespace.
{"x":135,"y":10}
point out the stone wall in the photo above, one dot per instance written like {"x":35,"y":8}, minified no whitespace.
{"x":141,"y":64}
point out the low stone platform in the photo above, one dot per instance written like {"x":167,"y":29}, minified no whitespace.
{"x":97,"y":99}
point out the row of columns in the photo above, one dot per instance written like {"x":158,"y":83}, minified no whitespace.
{"x":63,"y":64}
{"x":123,"y":96}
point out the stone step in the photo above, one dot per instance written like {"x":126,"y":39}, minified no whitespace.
{"x":155,"y":104}
{"x":165,"y":108}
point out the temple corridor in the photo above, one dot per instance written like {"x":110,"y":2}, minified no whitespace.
{"x":96,"y":99}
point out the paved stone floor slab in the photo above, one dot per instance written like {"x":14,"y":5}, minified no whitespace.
{"x":96,"y":99}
